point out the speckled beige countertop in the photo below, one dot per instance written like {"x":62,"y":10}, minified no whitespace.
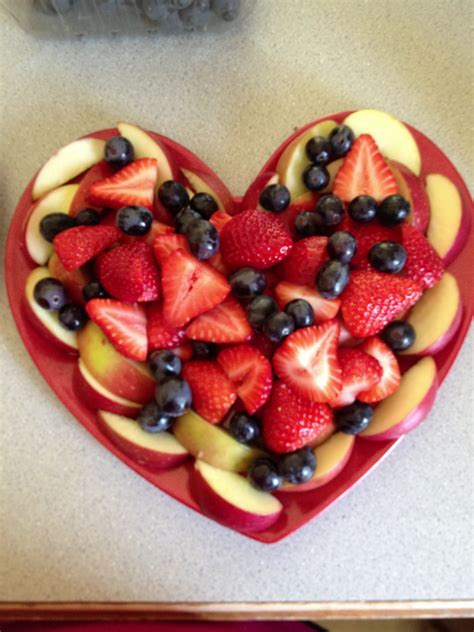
{"x":75,"y":523}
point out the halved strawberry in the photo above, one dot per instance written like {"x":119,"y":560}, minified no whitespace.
{"x":129,"y":273}
{"x":217,"y":262}
{"x":224,"y":323}
{"x":160,"y":334}
{"x":324,"y":309}
{"x":423,"y":262}
{"x":123,"y":324}
{"x":184,"y":351}
{"x":132,"y":185}
{"x":307,"y":361}
{"x":100,"y":171}
{"x":360,"y":371}
{"x":367,"y":235}
{"x":76,"y":246}
{"x":390,"y":379}
{"x":164,"y":245}
{"x":291,"y":421}
{"x":190,"y":288}
{"x":304,"y":260}
{"x":213,"y":392}
{"x":250,"y":372}
{"x":219,"y":219}
{"x":364,"y":172}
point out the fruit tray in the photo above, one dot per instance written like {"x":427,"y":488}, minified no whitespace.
{"x":350,"y":457}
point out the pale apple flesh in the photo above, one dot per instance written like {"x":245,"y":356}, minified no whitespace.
{"x":405,"y":409}
{"x":205,"y":183}
{"x":412,"y":189}
{"x":230,"y":499}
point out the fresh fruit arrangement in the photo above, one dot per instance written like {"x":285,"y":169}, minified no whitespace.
{"x":280,"y":339}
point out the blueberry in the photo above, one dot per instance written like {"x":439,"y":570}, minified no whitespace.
{"x":316,"y":177}
{"x":173,"y":396}
{"x":275,"y":198}
{"x":398,"y":335}
{"x":263,"y":474}
{"x":342,"y":246}
{"x":354,"y":418}
{"x":204,"y":350}
{"x":173,"y":196}
{"x":388,"y":256}
{"x":54,"y":223}
{"x":301,"y":312}
{"x":247,"y":282}
{"x":203,"y":238}
{"x":244,"y":428}
{"x":341,"y":139}
{"x":298,"y":467}
{"x":118,"y":152}
{"x":259,"y":309}
{"x":393,"y":210}
{"x":164,"y":364}
{"x":308,"y":224}
{"x":363,"y":208}
{"x":196,"y":15}
{"x":155,"y":10}
{"x":278,"y":326}
{"x":228,"y":10}
{"x":152,"y":419}
{"x":330,"y":210}
{"x":184,"y":218}
{"x":50,"y":294}
{"x":319,"y":150}
{"x":72,"y":317}
{"x":93,"y":290}
{"x":88,"y":217}
{"x":204,"y":204}
{"x":134,"y":220}
{"x":60,"y":7}
{"x":332,"y":278}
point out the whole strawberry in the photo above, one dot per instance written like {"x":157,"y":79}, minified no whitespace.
{"x":423,"y":262}
{"x":305,"y":259}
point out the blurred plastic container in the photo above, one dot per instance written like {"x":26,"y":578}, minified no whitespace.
{"x":102,"y":17}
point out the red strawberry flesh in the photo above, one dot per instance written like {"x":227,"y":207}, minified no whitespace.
{"x":213,"y":393}
{"x":76,"y":246}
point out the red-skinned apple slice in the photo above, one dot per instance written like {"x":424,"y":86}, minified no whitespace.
{"x":100,"y":171}
{"x":231,"y":500}
{"x":73,"y":281}
{"x":412,"y":189}
{"x":251,"y":198}
{"x":201,"y":182}
{"x":156,"y":450}
{"x":408,"y":406}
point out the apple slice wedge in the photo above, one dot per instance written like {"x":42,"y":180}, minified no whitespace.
{"x":201,"y":182}
{"x":408,"y":406}
{"x":158,"y":450}
{"x":412,"y":189}
{"x":69,"y":162}
{"x":57,"y":201}
{"x":231,"y":500}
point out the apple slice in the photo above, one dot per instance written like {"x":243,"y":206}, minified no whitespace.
{"x":231,"y":500}
{"x":435,"y":317}
{"x":74,"y":281}
{"x":393,"y":138}
{"x":293,"y":159}
{"x":67,"y":163}
{"x":408,"y":406}
{"x":48,"y":321}
{"x":333,"y":167}
{"x":448,"y":228}
{"x":412,"y":189}
{"x":251,"y":198}
{"x":56,"y":201}
{"x":205,"y":183}
{"x":212,"y":444}
{"x":158,"y":450}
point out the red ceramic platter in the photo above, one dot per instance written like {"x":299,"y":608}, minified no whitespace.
{"x":57,"y":366}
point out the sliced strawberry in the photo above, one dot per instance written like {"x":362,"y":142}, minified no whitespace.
{"x":367,"y":235}
{"x":217,"y":262}
{"x":225,"y":323}
{"x":390,"y":379}
{"x":160,"y":334}
{"x":360,"y":371}
{"x":164,"y":245}
{"x":219,"y":219}
{"x":132,"y":185}
{"x":250,"y":372}
{"x":304,"y":260}
{"x":261,"y":342}
{"x":129,"y":273}
{"x":100,"y":171}
{"x":372,"y":299}
{"x":213,"y":392}
{"x":307,"y":361}
{"x":291,"y":421}
{"x":423,"y":262}
{"x":184,"y":351}
{"x":305,"y":202}
{"x":324,"y":309}
{"x":76,"y":246}
{"x":190,"y":288}
{"x":123,"y":324}
{"x":364,"y":172}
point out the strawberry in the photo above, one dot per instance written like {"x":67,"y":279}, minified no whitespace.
{"x":132,"y":185}
{"x":423,"y":262}
{"x":190,"y":288}
{"x":217,"y":262}
{"x":360,"y":372}
{"x":367,"y":235}
{"x":224,"y":323}
{"x":364,"y":172}
{"x":76,"y":246}
{"x":305,"y":202}
{"x":372,"y":299}
{"x":129,"y":273}
{"x":291,"y":421}
{"x":164,"y":245}
{"x":160,"y":334}
{"x":390,"y":379}
{"x":307,"y":361}
{"x":184,"y":351}
{"x":250,"y":372}
{"x":219,"y":219}
{"x":261,"y":342}
{"x":304,"y":260}
{"x":157,"y":230}
{"x":254,"y":238}
{"x":213,"y":392}
{"x":123,"y":324}
{"x":324,"y":309}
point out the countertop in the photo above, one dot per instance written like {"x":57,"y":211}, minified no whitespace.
{"x":75,"y":523}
